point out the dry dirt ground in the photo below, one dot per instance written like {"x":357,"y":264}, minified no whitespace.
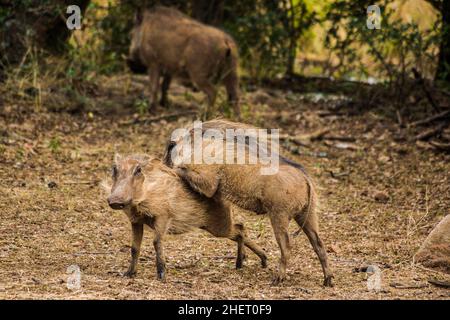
{"x":380,"y":196}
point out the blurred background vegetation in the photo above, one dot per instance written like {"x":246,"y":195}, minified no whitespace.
{"x":277,"y":39}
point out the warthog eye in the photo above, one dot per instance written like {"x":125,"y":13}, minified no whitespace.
{"x":114,"y":171}
{"x":137,"y":171}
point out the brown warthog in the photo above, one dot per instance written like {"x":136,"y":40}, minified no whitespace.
{"x":168,"y":43}
{"x":288,"y":193}
{"x":150,"y":193}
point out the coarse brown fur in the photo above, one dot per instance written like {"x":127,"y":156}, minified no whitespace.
{"x":167,"y":43}
{"x":152,"y":194}
{"x":286,"y":195}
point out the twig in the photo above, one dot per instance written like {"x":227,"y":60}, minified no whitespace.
{"x":400,"y":121}
{"x":294,"y":139}
{"x":158,"y":118}
{"x":297,"y":151}
{"x":421,"y":81}
{"x":340,"y":138}
{"x":338,"y":175}
{"x":82,"y":182}
{"x":92,"y":253}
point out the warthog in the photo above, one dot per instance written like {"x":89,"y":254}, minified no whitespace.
{"x":288,"y":194}
{"x":166,"y":42}
{"x":150,"y":193}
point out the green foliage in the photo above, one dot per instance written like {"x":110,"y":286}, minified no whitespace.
{"x":262,"y":41}
{"x":141,"y":106}
{"x":267,"y":32}
{"x":54,"y":144}
{"x":395,"y":48}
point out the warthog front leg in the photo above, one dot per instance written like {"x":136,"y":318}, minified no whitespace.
{"x":137,"y":233}
{"x":205,"y":182}
{"x":257,"y":250}
{"x":220,"y":224}
{"x":160,"y":230}
{"x":242,"y":240}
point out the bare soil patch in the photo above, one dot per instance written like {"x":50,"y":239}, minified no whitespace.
{"x":380,"y":197}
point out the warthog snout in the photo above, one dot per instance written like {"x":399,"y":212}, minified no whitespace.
{"x":117,"y":203}
{"x":136,"y":66}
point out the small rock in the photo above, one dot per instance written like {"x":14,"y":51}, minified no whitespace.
{"x":384,"y":159}
{"x":52,"y":184}
{"x":36,"y":280}
{"x":381,"y":196}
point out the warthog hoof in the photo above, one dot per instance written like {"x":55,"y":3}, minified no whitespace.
{"x":278,"y":279}
{"x":240,"y":261}
{"x":264,"y":262}
{"x":327,"y":282}
{"x":130,"y":274}
{"x":161,"y":276}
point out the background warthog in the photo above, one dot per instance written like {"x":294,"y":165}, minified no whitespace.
{"x":166,"y":42}
{"x":151,"y":193}
{"x":288,"y":194}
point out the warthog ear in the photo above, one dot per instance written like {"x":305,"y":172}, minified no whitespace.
{"x":138,"y":16}
{"x":146,"y":160}
{"x":117,"y":157}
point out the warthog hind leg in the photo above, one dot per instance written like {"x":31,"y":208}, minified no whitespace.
{"x":311,"y":229}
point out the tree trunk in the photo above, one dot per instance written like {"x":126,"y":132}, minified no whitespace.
{"x":291,"y":56}
{"x":443,"y":69}
{"x":37,"y":23}
{"x":208,"y":11}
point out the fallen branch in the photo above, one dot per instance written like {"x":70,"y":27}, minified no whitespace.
{"x":439,"y":116}
{"x":431,"y":132}
{"x":400,"y":121}
{"x":440,"y":146}
{"x":92,"y":253}
{"x":398,"y":285}
{"x":439,"y":283}
{"x":295,"y":139}
{"x":317,"y":135}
